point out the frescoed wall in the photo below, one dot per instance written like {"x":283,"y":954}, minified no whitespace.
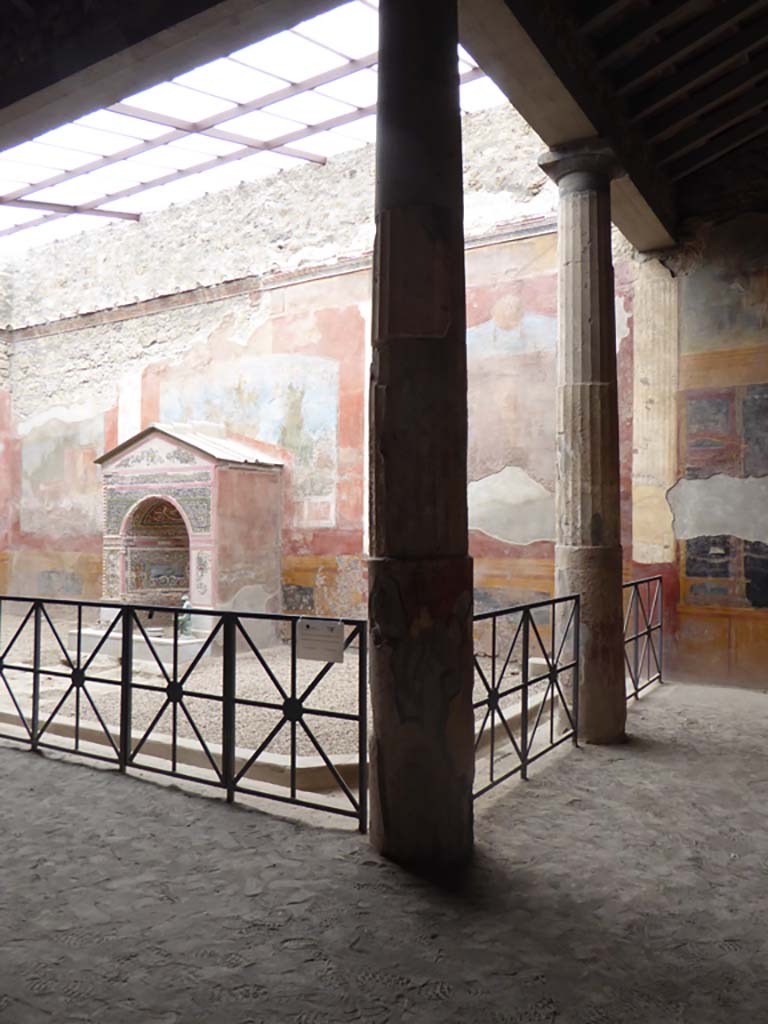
{"x":282,"y":361}
{"x":720,"y":501}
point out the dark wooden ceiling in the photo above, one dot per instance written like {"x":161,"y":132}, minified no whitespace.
{"x":685,"y":81}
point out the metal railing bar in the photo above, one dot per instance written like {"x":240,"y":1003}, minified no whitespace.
{"x":96,"y":712}
{"x":542,"y":645}
{"x":313,"y":805}
{"x":174,"y":735}
{"x":16,"y":635}
{"x":508,"y":731}
{"x":563,"y":701}
{"x":262,"y":661}
{"x":566,"y":633}
{"x":362,"y":732}
{"x":134,"y":752}
{"x":55,"y":632}
{"x":630,"y":605}
{"x":170,"y":609}
{"x":147,"y":641}
{"x":257,"y":754}
{"x":201,"y":653}
{"x":48,"y":745}
{"x":157,"y":770}
{"x":517,"y":608}
{"x":511,"y":650}
{"x":56,"y":709}
{"x":16,"y":704}
{"x":482,"y":676}
{"x":552,"y":746}
{"x":324,"y":671}
{"x":294,"y":638}
{"x":346,"y":716}
{"x":77,"y":717}
{"x":329,"y":764}
{"x":542,"y":705}
{"x":104,"y":637}
{"x":201,"y":740}
{"x":479,"y":734}
{"x":501,"y":778}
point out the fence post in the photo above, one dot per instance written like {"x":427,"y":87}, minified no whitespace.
{"x":229,"y":656}
{"x":635,"y":591}
{"x":37,"y":616}
{"x":362,"y":710}
{"x":524,"y":697}
{"x":576,"y":667}
{"x":660,"y":585}
{"x":126,"y":681}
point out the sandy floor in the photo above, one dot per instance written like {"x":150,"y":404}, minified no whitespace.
{"x":621,"y":885}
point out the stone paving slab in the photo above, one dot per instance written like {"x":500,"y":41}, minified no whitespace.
{"x":619,"y":885}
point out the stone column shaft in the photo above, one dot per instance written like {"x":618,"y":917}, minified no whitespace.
{"x":420,"y":577}
{"x":588,"y":557}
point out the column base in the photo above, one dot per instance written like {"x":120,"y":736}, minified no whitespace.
{"x":596,"y":574}
{"x":421,"y":677}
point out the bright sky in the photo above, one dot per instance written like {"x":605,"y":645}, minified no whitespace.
{"x":301,"y":95}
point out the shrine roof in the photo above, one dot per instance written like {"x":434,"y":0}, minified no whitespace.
{"x":223,"y":449}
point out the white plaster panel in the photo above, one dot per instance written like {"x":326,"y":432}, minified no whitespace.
{"x":721,"y":505}
{"x":512,"y":506}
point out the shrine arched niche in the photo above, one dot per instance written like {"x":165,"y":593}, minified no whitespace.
{"x":155,"y":541}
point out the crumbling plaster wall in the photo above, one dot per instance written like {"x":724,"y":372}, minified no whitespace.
{"x":716,"y":493}
{"x":310,"y":216}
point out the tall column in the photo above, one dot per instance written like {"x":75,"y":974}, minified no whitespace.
{"x":420,"y":578}
{"x":588,"y":558}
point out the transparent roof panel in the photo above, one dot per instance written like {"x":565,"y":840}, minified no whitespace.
{"x":122,"y":124}
{"x":178,"y":102}
{"x":83,"y":139}
{"x":290,"y":56}
{"x":260,"y":126}
{"x":52,"y":157}
{"x":363,"y":130}
{"x":309,"y":108}
{"x":351,"y":30}
{"x":231,"y":80}
{"x":332,"y":143}
{"x":11,"y":216}
{"x":360,"y":89}
{"x":305,"y":94}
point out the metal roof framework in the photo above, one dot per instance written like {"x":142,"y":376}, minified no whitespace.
{"x":300,"y":96}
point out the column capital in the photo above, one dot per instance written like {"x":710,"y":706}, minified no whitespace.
{"x":584,"y":164}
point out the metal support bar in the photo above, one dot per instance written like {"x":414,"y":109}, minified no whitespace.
{"x":362,"y":736}
{"x":524,"y":739}
{"x":229,"y":668}
{"x":126,"y":680}
{"x":37,"y":618}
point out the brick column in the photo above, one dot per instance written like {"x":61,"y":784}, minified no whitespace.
{"x":420,"y":602}
{"x":588,"y":558}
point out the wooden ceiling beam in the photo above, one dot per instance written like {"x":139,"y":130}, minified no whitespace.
{"x":719,"y":147}
{"x":708,"y":97}
{"x":643,"y":27}
{"x":700,"y":70}
{"x":679,"y":45}
{"x":607,"y":13}
{"x":707,"y":128}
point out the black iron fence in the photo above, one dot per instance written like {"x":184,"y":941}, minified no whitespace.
{"x":643,"y":633}
{"x":219,"y":698}
{"x":526,"y":686}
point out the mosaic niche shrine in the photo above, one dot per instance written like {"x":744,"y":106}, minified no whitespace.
{"x":188,"y":513}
